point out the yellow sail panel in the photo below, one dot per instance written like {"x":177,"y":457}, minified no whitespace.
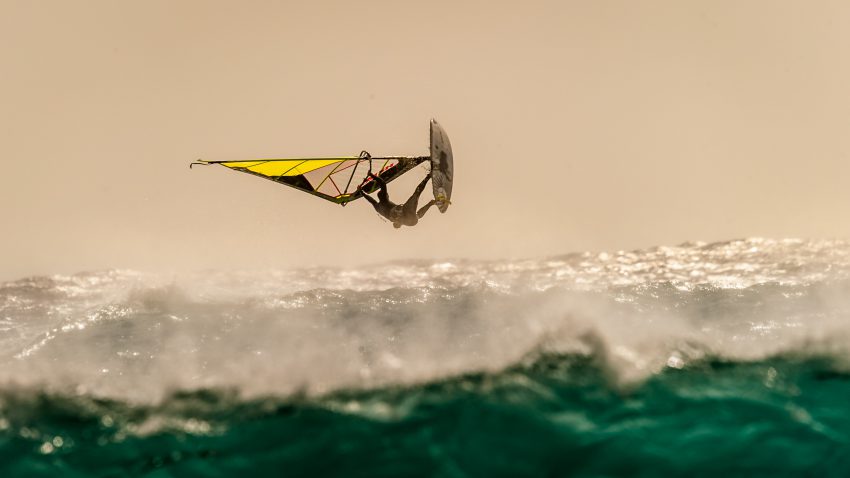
{"x":282,"y":167}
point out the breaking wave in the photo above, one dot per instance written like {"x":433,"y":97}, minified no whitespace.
{"x":585,"y":352}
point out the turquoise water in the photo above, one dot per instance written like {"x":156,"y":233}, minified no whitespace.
{"x":696,"y":360}
{"x":552,"y":418}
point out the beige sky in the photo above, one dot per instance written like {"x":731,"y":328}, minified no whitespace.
{"x":592,"y":125}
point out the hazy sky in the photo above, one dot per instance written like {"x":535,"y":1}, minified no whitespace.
{"x":587,"y":125}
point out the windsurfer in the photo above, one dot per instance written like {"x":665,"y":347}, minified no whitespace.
{"x":400,"y":214}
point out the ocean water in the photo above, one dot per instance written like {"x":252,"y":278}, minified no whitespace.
{"x":728,"y":358}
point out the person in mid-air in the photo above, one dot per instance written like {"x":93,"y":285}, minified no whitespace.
{"x":400,"y":214}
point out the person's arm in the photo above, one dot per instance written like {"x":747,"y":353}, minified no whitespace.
{"x":383,"y":194}
{"x":370,"y":199}
{"x":379,"y":180}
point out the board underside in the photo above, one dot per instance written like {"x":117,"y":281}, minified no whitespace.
{"x":442,"y":166}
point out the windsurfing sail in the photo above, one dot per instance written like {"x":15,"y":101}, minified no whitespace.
{"x":339,"y":179}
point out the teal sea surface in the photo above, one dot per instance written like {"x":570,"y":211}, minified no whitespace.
{"x":696,"y":360}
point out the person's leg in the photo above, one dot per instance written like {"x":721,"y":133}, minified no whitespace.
{"x":412,"y":203}
{"x":421,"y":186}
{"x":425,"y":208}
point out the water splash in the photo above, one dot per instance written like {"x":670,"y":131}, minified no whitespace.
{"x":140,"y":336}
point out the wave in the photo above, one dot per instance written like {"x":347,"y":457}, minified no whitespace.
{"x":139,"y":337}
{"x":698,"y":359}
